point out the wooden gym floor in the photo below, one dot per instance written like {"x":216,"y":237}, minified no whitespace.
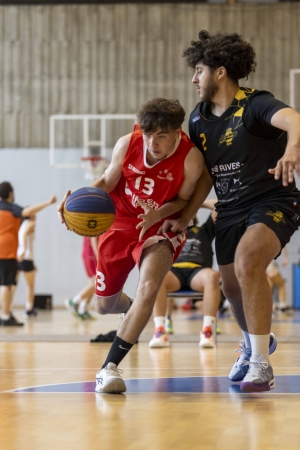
{"x":177,"y":398}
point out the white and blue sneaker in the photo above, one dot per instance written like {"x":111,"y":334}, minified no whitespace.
{"x":109,"y":380}
{"x":240,"y":369}
{"x":259,"y":378}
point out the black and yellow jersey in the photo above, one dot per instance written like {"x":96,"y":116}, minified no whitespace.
{"x":239,"y":148}
{"x":198,"y":249}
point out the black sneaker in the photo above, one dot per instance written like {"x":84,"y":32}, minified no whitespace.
{"x":31,"y":313}
{"x":11,"y":322}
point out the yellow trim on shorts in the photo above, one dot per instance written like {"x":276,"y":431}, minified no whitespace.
{"x":186,"y":265}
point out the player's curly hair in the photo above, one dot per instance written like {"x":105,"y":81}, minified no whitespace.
{"x":5,"y":189}
{"x":221,"y":49}
{"x":163,"y":113}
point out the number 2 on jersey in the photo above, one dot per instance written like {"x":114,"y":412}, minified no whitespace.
{"x":203,"y":137}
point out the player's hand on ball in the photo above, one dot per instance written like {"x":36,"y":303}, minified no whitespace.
{"x":149,"y":218}
{"x":60,"y":208}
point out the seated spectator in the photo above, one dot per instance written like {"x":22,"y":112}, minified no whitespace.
{"x":192,"y":270}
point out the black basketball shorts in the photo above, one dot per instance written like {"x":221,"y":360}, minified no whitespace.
{"x":26,"y":265}
{"x":282,"y":216}
{"x":8,"y":272}
{"x":185,"y":275}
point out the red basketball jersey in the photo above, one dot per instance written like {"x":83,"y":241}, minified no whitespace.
{"x":156,"y":184}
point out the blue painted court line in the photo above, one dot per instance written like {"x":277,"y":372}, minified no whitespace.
{"x":285,"y":384}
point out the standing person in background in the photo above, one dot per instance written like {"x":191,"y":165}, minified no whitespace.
{"x":10,"y":219}
{"x":251,"y":145}
{"x":192,"y":270}
{"x":25,"y":258}
{"x":78,"y":305}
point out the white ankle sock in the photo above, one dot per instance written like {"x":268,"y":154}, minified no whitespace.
{"x":260,"y":346}
{"x":5,"y":316}
{"x":159,"y":321}
{"x":209,"y":321}
{"x":28,"y":306}
{"x":246,"y":339}
{"x":76,"y":298}
{"x":82,"y":307}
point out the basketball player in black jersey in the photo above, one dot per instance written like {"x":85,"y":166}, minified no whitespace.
{"x":251,"y":145}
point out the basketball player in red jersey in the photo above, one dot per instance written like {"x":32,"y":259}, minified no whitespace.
{"x":152,"y":175}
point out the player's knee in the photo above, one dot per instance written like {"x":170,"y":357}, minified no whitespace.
{"x":101,"y":306}
{"x":212,"y":278}
{"x":246,"y":267}
{"x":231,"y":292}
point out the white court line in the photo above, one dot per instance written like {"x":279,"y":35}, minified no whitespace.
{"x":34,"y":373}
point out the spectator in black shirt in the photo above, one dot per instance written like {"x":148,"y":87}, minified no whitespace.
{"x":192,"y":270}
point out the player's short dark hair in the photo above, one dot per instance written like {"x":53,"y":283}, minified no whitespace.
{"x":221,"y":49}
{"x":5,"y":189}
{"x":167,"y":114}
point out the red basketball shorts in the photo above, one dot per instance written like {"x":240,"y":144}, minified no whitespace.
{"x":121,"y":250}
{"x":89,"y":258}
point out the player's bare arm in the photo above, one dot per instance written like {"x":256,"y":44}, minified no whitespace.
{"x":193,"y":166}
{"x":201,"y":191}
{"x":110,"y":178}
{"x":209,"y":203}
{"x":28,"y":210}
{"x":113,"y":173}
{"x":288,"y":120}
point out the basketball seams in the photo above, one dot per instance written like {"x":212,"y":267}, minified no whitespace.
{"x":71,"y":199}
{"x":81,"y":197}
{"x":89,"y":213}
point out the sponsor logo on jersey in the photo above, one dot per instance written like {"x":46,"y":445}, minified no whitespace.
{"x":277,"y":216}
{"x":149,"y":201}
{"x":237,"y":180}
{"x":227,"y":137}
{"x":226,"y":167}
{"x":140,"y":172}
{"x":195,"y":119}
{"x":222,"y":186}
{"x":165,"y":175}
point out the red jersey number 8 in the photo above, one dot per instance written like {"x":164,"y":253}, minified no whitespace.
{"x":100,"y":281}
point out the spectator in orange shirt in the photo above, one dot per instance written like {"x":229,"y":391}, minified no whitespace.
{"x":10,"y":219}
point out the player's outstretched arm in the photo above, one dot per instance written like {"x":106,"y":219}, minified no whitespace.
{"x":33,"y":209}
{"x":113,"y":173}
{"x":288,"y":120}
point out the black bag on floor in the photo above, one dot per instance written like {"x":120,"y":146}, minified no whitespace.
{"x":108,"y":337}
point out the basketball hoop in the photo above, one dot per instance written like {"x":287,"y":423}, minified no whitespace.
{"x":94,"y":167}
